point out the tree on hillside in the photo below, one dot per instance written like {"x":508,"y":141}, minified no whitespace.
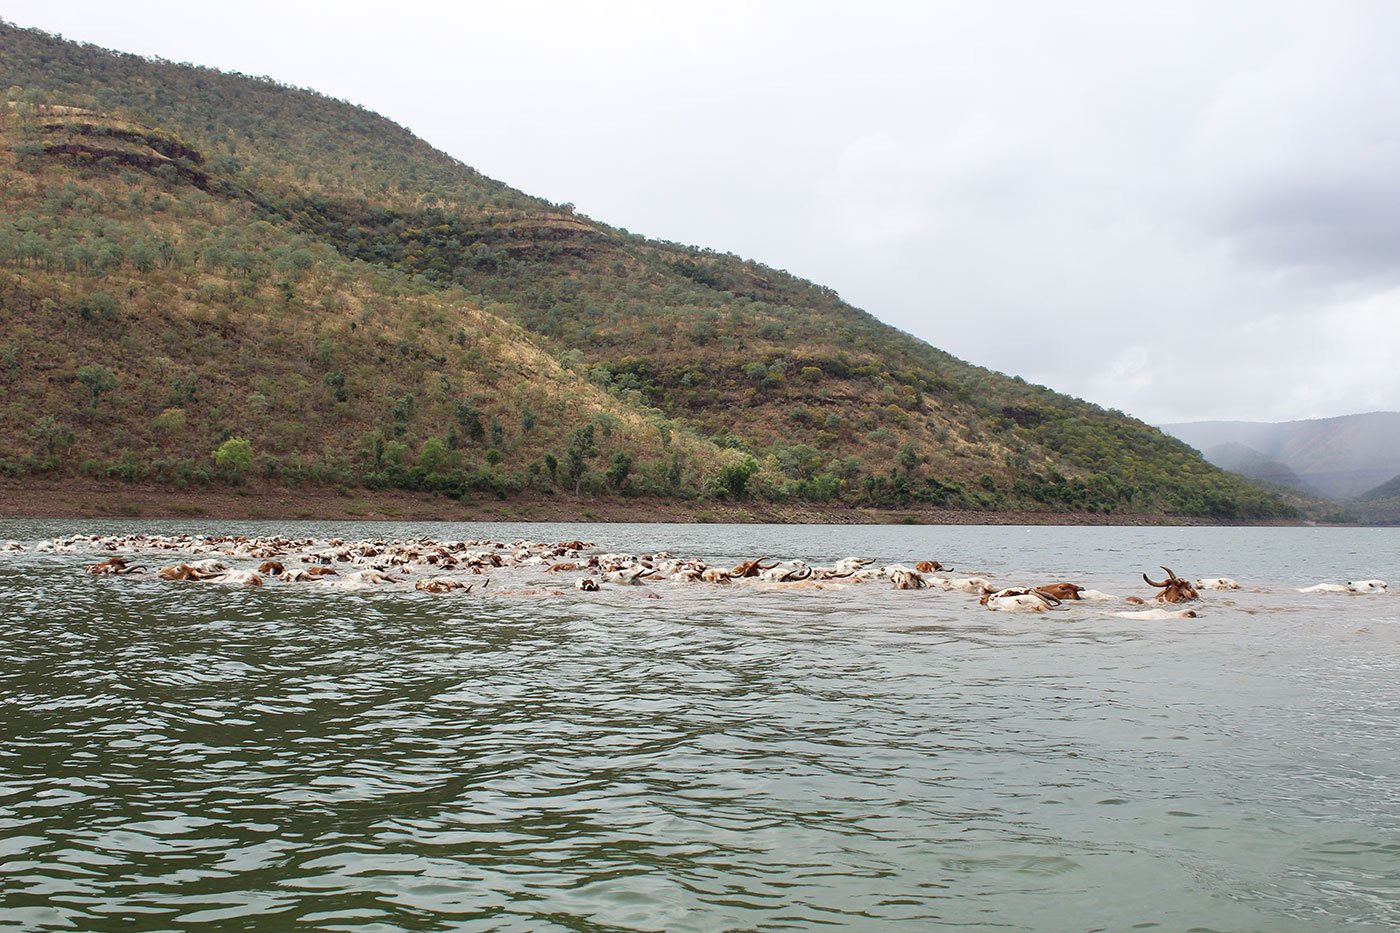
{"x":171,"y":421}
{"x":733,"y":478}
{"x":908,"y":458}
{"x":98,"y":379}
{"x":54,"y":435}
{"x":371,"y":450}
{"x":619,"y":470}
{"x":236,"y":456}
{"x":581,"y":448}
{"x":432,"y":456}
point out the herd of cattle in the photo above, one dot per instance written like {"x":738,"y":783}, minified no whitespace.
{"x":463,"y":566}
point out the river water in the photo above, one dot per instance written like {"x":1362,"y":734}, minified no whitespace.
{"x":178,"y":754}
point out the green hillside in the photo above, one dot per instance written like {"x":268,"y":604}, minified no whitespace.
{"x":1390,"y":489}
{"x":188,"y":257}
{"x":1379,"y":506}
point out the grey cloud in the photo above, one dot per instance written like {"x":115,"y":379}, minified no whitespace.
{"x":1337,"y":227}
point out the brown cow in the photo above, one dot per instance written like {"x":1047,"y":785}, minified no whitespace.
{"x":752,"y":568}
{"x":1060,"y":591}
{"x":114,"y":565}
{"x":441,"y":585}
{"x":1174,"y":588}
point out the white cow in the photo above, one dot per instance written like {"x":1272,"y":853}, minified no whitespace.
{"x":977,"y":585}
{"x":905,"y":579}
{"x":1019,"y":599}
{"x":791,"y":572}
{"x":1158,"y":614}
{"x":1355,"y":587}
{"x":630,"y":576}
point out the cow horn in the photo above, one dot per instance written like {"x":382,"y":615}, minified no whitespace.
{"x":1171,"y":575}
{"x":1150,"y":583}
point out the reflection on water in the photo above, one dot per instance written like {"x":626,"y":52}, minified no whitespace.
{"x":172,"y":754}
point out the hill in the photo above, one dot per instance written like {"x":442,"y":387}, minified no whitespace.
{"x":1337,"y":458}
{"x":1379,"y":505}
{"x":1390,"y":489}
{"x":190,"y":258}
{"x":1248,"y":462}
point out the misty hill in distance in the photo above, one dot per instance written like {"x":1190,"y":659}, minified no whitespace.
{"x":1379,"y":506}
{"x":1246,"y":461}
{"x":1387,"y":490}
{"x":1336,"y":458}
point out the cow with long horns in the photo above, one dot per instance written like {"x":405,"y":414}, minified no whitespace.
{"x":751,"y":568}
{"x":1174,"y":589}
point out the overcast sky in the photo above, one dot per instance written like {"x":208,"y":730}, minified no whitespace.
{"x":1186,"y":211}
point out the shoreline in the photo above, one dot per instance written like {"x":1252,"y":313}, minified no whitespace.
{"x":87,"y":498}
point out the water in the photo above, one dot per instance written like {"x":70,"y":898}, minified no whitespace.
{"x":181,"y":754}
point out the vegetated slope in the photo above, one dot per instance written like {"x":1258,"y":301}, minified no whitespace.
{"x":322,"y":275}
{"x":1333,"y":457}
{"x":1380,"y":505}
{"x":1390,"y":489}
{"x":146,"y":322}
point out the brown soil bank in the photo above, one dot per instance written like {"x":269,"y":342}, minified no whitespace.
{"x":87,"y":498}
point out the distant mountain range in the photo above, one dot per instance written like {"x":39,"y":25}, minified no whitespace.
{"x":1337,"y":458}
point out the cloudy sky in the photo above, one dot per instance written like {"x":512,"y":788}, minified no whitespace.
{"x":1186,"y":211}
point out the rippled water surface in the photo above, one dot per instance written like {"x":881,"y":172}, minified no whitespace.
{"x":177,"y":754}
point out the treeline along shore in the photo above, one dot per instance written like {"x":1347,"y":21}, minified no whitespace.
{"x":60,"y":499}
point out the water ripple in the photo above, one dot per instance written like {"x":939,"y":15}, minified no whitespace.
{"x":175,"y":755}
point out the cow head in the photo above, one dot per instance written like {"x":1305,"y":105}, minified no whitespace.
{"x":1174,"y":588}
